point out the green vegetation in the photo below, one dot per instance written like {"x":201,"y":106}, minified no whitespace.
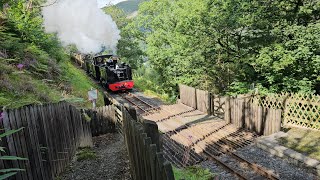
{"x":86,"y":154}
{"x":151,"y":89}
{"x":227,"y":47}
{"x":78,"y":94}
{"x":146,"y":80}
{"x":192,"y":173}
{"x":34,"y":67}
{"x":129,"y":6}
{"x":305,"y":141}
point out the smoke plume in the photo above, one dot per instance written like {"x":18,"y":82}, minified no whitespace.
{"x":82,"y":23}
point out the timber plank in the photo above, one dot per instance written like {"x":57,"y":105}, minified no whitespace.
{"x":36,"y":141}
{"x":26,"y":142}
{"x":9,"y":116}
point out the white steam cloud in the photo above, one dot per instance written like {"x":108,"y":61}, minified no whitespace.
{"x":82,"y":23}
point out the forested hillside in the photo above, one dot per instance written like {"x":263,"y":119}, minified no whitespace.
{"x":226,"y":46}
{"x":34,"y":67}
{"x":129,"y":6}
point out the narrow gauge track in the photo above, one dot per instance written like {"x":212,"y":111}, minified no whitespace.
{"x":141,"y":105}
{"x":222,"y":146}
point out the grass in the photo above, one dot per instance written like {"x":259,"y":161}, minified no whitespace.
{"x":20,"y":88}
{"x":81,"y":84}
{"x":192,"y":173}
{"x":86,"y":154}
{"x":150,"y":88}
{"x":302,"y":140}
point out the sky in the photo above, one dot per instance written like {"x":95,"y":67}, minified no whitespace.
{"x":102,"y":3}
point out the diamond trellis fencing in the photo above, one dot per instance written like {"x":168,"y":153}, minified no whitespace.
{"x":298,"y":109}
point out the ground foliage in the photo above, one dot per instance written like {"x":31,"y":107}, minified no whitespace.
{"x":193,"y":173}
{"x":34,"y":67}
{"x":229,"y":46}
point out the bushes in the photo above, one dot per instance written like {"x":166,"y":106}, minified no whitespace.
{"x":148,"y":81}
{"x":86,"y":154}
{"x":193,"y":173}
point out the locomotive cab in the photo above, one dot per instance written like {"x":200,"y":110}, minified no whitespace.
{"x":112,"y":73}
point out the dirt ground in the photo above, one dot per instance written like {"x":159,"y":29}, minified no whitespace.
{"x":111,"y":161}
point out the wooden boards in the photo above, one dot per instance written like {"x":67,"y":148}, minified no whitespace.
{"x":49,"y":139}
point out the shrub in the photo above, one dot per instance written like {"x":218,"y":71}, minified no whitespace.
{"x":86,"y":154}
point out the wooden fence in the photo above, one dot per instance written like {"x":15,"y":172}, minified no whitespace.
{"x":241,"y":111}
{"x":246,"y":114}
{"x":188,"y":96}
{"x":143,"y":144}
{"x":49,"y":140}
{"x":217,"y":105}
{"x":298,"y":109}
{"x":259,"y":113}
{"x":102,"y":120}
{"x":202,"y":100}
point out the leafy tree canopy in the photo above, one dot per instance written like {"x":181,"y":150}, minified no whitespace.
{"x":231,"y":46}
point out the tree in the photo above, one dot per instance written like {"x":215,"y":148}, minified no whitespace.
{"x":129,"y":47}
{"x":228,"y":46}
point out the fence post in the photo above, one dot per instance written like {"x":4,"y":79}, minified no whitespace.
{"x":151,"y":128}
{"x":168,"y":170}
{"x":211,"y":102}
{"x":106,"y":100}
{"x":132,"y":111}
{"x":227,"y":111}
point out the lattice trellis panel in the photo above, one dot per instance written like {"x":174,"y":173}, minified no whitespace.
{"x":298,"y":109}
{"x":275,"y":101}
{"x":302,"y":110}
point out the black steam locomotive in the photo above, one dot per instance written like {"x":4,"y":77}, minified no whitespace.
{"x":111,"y":73}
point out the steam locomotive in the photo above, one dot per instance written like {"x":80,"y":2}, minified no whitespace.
{"x":112,"y":74}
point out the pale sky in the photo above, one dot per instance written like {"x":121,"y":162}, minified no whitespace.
{"x":102,"y":3}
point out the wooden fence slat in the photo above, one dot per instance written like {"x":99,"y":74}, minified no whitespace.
{"x":11,"y":139}
{"x":188,"y":96}
{"x":67,"y":131}
{"x":20,"y":116}
{"x":42,"y":142}
{"x":4,"y":142}
{"x":37,"y":139}
{"x":32,"y":166}
{"x":143,"y":153}
{"x":203,"y":101}
{"x":18,"y":142}
{"x":152,"y":155}
{"x":227,"y":111}
{"x":160,"y":160}
{"x":168,"y":171}
{"x":51,"y":168}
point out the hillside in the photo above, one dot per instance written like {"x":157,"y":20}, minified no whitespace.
{"x":23,"y":87}
{"x":34,"y":67}
{"x":129,"y":6}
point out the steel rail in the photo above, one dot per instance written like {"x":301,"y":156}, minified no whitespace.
{"x":213,"y":157}
{"x":260,"y":170}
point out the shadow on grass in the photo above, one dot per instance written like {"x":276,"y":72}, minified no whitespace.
{"x":304,"y":141}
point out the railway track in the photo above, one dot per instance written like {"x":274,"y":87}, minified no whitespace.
{"x":220,"y":150}
{"x":142,"y":106}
